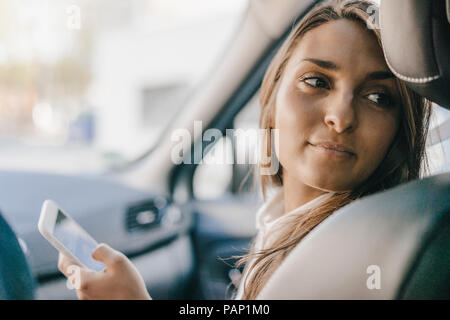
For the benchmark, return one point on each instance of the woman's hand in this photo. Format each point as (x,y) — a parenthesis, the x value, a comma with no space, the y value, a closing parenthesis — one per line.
(120,280)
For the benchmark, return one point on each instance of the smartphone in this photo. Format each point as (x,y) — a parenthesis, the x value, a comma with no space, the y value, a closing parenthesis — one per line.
(67,236)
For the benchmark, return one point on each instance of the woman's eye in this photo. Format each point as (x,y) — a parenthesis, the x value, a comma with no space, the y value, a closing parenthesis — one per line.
(381,99)
(316,82)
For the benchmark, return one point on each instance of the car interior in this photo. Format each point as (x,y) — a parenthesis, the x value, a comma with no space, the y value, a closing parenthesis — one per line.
(187,249)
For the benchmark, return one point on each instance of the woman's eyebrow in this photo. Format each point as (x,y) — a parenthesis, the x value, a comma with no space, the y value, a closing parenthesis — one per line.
(379,75)
(322,63)
(375,75)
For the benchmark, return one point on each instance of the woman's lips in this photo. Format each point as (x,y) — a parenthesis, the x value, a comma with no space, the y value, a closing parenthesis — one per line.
(333,149)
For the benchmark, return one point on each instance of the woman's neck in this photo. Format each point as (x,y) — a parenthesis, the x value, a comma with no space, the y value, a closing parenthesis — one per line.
(296,193)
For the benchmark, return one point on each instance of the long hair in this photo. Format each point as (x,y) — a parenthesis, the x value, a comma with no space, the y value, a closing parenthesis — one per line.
(405,160)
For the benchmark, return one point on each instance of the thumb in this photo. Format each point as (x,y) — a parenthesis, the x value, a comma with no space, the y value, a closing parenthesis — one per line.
(107,255)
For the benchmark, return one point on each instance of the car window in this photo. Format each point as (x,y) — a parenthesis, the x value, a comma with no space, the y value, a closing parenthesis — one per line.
(89,84)
(230,166)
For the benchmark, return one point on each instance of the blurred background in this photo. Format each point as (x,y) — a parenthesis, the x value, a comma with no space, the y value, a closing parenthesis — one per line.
(87,85)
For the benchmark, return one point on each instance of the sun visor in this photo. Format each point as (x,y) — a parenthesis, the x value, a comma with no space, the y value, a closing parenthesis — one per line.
(416,43)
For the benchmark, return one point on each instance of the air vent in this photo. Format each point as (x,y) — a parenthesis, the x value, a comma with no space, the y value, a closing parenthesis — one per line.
(145,215)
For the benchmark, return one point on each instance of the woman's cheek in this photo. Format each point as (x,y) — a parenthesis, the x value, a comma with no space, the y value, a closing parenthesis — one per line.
(286,140)
(294,120)
(377,139)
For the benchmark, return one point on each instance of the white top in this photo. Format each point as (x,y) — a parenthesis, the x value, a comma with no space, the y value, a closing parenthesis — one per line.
(271,221)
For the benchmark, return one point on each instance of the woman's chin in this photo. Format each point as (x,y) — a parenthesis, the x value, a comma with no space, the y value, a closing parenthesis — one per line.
(329,184)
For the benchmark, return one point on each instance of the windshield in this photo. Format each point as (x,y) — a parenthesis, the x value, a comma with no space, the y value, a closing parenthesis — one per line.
(88,85)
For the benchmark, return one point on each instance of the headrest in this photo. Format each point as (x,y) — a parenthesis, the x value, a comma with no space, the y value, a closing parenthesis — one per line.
(416,42)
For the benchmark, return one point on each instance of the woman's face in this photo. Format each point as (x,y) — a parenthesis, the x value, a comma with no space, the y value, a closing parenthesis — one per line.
(337,107)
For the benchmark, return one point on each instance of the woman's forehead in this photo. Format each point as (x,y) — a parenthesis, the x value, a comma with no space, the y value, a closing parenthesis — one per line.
(344,42)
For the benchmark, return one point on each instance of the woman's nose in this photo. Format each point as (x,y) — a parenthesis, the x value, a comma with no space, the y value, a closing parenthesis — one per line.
(340,114)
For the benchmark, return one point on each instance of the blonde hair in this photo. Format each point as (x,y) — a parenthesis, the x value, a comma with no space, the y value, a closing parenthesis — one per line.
(403,162)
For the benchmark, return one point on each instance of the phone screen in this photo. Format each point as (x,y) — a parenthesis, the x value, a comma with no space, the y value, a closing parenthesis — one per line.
(78,241)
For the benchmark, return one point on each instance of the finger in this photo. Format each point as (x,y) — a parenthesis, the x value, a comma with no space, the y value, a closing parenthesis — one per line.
(108,255)
(82,279)
(64,264)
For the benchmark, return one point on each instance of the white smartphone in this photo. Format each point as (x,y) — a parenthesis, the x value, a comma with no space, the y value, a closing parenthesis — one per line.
(67,236)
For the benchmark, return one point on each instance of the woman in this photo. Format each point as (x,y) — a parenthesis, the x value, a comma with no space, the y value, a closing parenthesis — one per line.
(347,128)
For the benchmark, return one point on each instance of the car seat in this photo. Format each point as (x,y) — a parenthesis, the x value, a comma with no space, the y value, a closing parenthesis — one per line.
(16,281)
